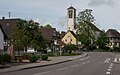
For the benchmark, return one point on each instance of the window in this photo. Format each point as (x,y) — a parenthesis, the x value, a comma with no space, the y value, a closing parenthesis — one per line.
(70,12)
(65,40)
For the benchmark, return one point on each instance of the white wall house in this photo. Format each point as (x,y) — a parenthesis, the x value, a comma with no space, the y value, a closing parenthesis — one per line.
(1,39)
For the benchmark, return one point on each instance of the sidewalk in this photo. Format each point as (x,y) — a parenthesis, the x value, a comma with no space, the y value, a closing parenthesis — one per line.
(54,60)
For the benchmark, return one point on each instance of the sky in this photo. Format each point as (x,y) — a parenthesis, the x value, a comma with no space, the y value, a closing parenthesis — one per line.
(54,12)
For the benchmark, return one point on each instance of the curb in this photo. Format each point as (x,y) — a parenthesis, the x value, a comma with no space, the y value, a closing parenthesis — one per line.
(67,60)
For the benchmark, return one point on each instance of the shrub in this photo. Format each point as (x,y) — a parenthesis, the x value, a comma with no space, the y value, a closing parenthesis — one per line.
(6,57)
(116,49)
(33,58)
(44,57)
(1,58)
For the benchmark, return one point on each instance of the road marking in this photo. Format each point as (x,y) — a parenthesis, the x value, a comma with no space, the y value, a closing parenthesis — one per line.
(62,69)
(107,60)
(111,64)
(115,60)
(41,73)
(107,72)
(109,69)
(74,65)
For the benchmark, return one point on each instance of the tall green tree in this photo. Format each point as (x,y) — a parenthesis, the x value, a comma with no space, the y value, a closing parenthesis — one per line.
(86,27)
(27,35)
(102,40)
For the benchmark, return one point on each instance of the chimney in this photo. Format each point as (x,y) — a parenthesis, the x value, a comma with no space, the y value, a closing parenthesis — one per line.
(3,17)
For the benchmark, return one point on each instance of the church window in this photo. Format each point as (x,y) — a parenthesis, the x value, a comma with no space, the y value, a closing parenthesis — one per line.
(70,12)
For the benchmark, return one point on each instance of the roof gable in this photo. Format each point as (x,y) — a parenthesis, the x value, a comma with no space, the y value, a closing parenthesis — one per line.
(112,33)
(71,33)
(47,33)
(5,37)
(71,7)
(8,26)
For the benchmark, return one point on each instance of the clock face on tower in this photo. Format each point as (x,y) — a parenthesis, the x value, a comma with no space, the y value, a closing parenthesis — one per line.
(70,12)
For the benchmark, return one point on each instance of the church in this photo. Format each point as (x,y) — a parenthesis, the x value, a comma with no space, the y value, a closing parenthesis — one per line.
(70,36)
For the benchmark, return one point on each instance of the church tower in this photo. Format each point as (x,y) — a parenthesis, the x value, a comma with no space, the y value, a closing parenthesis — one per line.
(71,18)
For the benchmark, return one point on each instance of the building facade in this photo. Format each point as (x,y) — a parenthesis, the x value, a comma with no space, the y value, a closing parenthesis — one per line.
(71,18)
(70,38)
(113,37)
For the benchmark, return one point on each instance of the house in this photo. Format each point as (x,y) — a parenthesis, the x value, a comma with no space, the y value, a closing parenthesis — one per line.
(70,38)
(113,37)
(8,26)
(2,38)
(49,34)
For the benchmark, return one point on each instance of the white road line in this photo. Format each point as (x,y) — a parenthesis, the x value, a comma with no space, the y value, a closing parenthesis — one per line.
(107,73)
(109,69)
(62,69)
(106,60)
(111,64)
(74,65)
(115,60)
(41,73)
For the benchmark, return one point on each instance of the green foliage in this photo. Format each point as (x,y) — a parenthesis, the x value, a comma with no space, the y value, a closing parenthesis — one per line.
(86,28)
(5,58)
(116,49)
(47,26)
(102,40)
(44,57)
(33,58)
(69,48)
(27,35)
(1,58)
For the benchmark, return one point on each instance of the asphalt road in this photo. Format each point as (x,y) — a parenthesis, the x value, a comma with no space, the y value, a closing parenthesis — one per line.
(97,63)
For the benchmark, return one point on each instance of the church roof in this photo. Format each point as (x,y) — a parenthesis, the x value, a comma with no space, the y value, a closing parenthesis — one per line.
(71,7)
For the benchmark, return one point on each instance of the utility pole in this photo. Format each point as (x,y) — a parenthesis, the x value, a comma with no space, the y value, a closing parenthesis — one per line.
(9,14)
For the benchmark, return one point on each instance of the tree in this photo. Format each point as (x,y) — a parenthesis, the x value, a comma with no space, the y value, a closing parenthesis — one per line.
(27,35)
(102,40)
(48,26)
(69,48)
(86,27)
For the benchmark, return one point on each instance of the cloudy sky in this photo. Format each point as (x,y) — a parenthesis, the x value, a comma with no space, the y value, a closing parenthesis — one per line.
(106,12)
